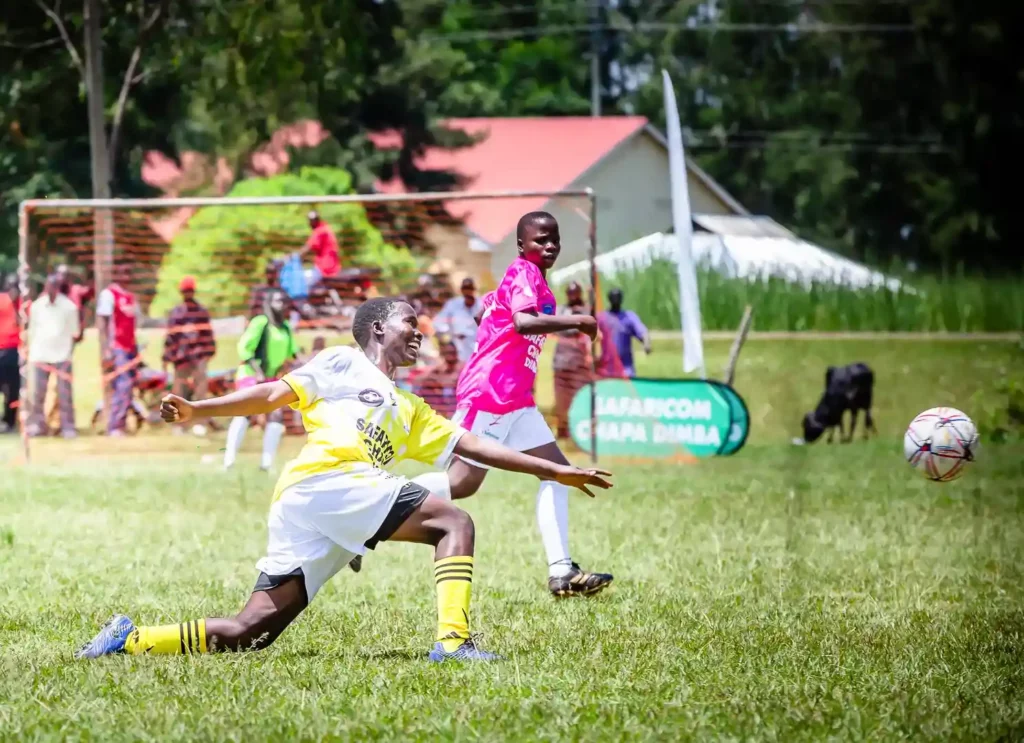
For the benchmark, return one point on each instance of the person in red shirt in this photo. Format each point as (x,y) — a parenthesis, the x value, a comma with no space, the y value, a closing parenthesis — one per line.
(324,247)
(189,344)
(10,373)
(118,310)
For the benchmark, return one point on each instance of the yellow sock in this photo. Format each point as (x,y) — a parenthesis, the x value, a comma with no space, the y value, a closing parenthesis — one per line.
(454,578)
(169,639)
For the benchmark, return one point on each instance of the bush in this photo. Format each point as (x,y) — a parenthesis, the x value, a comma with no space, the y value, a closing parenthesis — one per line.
(227,248)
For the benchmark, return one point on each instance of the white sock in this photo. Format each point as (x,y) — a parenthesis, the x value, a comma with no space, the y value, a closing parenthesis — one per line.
(437,483)
(271,440)
(236,432)
(553,521)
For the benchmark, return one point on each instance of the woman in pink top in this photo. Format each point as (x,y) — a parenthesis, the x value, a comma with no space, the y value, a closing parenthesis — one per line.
(495,393)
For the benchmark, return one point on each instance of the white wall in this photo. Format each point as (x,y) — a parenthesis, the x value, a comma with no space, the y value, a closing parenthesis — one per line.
(633,200)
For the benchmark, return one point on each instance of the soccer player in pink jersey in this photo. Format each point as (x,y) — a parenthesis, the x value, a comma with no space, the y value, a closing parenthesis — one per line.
(495,394)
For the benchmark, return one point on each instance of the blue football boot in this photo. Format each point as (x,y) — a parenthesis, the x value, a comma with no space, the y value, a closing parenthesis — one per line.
(110,639)
(467,651)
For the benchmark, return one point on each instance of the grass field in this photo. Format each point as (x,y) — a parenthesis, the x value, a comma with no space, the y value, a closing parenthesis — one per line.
(784,593)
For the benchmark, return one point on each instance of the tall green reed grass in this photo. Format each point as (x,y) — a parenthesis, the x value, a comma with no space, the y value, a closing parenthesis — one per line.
(954,303)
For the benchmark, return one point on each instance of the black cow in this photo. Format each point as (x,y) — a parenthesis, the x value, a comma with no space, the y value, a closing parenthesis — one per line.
(846,388)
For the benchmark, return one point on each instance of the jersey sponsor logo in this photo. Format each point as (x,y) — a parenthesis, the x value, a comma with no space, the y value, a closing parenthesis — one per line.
(378,445)
(371,398)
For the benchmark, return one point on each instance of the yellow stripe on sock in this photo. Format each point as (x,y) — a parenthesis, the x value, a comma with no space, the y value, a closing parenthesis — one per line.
(456,560)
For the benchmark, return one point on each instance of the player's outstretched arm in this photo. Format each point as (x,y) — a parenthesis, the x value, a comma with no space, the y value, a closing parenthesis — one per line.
(496,455)
(257,400)
(530,323)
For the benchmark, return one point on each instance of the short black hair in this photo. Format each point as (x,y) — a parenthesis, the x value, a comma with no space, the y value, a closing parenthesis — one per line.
(616,292)
(531,218)
(378,309)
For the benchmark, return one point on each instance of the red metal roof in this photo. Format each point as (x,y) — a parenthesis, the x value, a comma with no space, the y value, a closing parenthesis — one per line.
(539,154)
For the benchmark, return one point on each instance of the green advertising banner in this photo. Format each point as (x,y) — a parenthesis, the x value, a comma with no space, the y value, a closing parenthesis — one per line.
(661,418)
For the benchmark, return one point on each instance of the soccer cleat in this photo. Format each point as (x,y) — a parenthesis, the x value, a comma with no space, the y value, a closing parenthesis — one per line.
(467,651)
(356,563)
(109,640)
(578,582)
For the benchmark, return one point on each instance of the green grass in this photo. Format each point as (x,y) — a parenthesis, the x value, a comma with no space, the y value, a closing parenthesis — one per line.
(784,593)
(955,303)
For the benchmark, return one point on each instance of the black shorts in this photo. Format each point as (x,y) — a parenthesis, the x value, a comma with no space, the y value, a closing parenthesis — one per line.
(409,499)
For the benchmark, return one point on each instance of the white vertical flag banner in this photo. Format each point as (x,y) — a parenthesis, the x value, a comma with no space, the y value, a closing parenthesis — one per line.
(689,299)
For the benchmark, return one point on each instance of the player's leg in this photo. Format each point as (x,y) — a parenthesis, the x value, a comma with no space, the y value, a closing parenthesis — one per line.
(272,434)
(121,397)
(66,400)
(530,433)
(179,383)
(263,618)
(40,381)
(450,531)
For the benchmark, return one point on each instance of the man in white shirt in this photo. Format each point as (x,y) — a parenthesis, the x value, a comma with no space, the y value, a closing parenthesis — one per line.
(53,328)
(457,319)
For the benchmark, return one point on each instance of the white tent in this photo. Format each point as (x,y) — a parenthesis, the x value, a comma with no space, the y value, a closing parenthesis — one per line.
(737,247)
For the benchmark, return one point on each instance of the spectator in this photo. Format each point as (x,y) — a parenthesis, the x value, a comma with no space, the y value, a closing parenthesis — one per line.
(620,328)
(457,319)
(189,344)
(258,294)
(266,348)
(118,312)
(573,361)
(80,294)
(437,385)
(10,374)
(324,247)
(53,329)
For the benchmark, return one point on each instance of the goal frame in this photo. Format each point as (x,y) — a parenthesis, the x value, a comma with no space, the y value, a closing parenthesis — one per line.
(99,206)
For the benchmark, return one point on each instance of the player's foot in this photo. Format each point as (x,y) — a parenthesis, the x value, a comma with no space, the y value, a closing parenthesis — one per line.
(356,563)
(467,651)
(109,640)
(578,582)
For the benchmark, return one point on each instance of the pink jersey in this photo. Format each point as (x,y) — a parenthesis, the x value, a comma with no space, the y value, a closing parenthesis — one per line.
(499,376)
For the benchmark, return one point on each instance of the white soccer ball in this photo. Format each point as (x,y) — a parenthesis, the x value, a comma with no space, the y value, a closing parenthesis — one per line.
(198,430)
(939,443)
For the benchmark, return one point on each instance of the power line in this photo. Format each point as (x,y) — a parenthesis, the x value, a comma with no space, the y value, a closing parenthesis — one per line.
(805,134)
(880,149)
(654,26)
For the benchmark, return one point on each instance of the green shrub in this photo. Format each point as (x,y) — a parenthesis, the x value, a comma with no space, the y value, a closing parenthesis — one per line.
(227,248)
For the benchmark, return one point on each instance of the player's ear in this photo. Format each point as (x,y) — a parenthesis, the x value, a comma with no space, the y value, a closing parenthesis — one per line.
(377,329)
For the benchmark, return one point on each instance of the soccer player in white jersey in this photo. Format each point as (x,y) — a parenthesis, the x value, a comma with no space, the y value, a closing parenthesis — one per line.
(337,498)
(495,394)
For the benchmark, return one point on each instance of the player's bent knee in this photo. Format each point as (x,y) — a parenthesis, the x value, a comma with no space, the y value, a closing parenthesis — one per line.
(459,525)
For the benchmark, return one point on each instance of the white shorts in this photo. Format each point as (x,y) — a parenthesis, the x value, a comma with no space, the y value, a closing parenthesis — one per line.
(521,429)
(319,524)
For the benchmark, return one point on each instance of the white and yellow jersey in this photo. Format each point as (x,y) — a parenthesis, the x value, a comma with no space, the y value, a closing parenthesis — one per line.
(357,420)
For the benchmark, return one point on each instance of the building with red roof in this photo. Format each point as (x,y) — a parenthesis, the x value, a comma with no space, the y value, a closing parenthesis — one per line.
(623,158)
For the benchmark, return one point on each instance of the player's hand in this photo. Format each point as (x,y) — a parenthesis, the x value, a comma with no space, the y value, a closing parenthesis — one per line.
(587,324)
(174,409)
(581,479)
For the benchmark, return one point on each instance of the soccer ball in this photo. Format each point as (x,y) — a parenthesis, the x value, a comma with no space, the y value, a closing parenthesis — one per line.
(940,442)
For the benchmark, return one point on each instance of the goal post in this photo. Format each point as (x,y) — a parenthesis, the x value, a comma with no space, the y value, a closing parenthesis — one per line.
(417,245)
